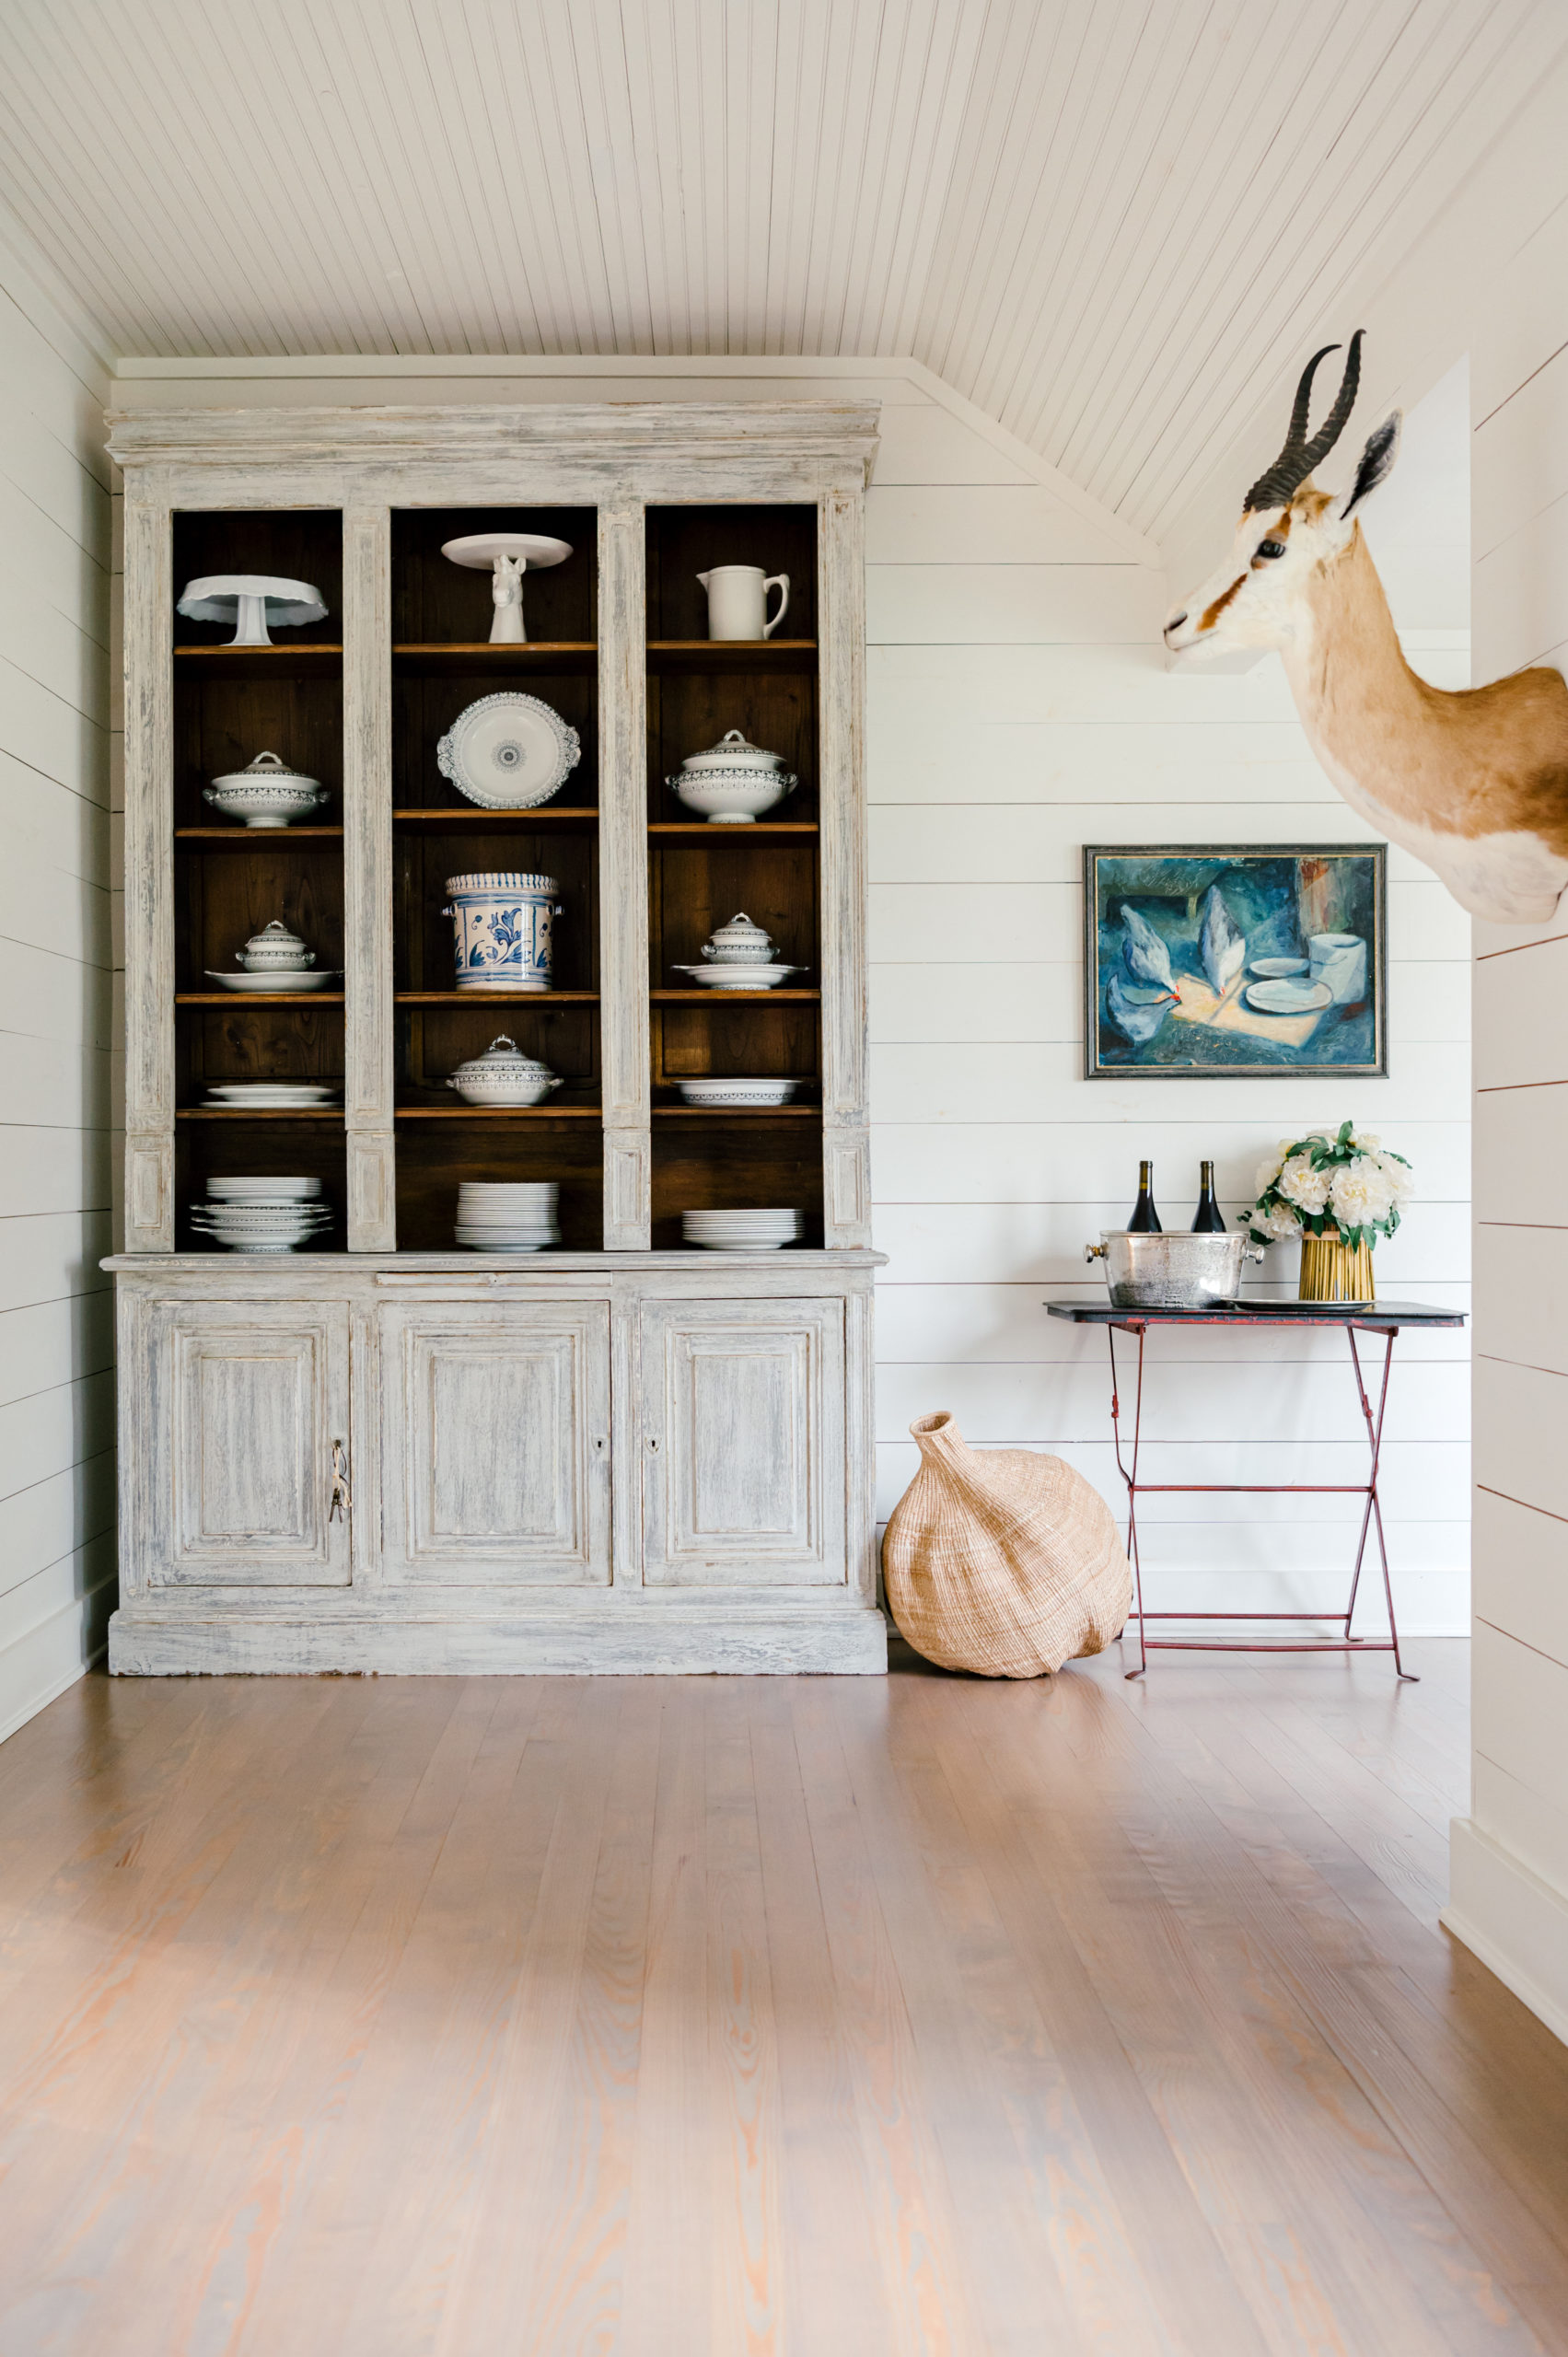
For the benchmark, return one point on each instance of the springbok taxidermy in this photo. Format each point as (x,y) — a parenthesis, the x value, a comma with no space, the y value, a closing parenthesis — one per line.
(1475,784)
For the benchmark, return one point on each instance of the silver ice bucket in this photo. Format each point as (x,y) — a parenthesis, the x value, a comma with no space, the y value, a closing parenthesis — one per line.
(1180,1271)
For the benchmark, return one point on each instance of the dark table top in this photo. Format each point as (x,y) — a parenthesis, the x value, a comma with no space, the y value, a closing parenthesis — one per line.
(1262,1313)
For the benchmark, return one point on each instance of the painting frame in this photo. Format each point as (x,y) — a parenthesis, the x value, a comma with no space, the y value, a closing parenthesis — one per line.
(1346,1047)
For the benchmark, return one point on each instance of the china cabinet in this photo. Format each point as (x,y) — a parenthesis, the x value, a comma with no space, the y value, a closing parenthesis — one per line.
(385,1453)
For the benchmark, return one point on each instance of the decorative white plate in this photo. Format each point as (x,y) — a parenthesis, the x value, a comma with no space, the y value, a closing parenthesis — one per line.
(508,752)
(736,1093)
(252,1092)
(1289,998)
(740,974)
(307,978)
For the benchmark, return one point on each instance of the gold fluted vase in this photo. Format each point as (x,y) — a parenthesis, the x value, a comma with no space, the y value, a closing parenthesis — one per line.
(1332,1270)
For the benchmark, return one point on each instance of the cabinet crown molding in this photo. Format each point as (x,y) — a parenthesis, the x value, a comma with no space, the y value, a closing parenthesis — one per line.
(837,436)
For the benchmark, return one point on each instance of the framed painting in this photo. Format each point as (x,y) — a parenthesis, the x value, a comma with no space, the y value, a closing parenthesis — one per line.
(1237,961)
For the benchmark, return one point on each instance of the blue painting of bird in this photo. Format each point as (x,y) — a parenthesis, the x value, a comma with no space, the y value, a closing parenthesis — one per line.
(1146,954)
(1137,1009)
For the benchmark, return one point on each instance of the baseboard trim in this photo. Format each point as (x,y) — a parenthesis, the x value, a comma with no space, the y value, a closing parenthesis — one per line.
(1516,1923)
(53,1691)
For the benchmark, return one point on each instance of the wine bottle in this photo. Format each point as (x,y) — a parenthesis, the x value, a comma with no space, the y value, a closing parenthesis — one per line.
(1145,1220)
(1208,1220)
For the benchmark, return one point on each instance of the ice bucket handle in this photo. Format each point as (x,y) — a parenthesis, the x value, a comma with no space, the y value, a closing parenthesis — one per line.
(1094,1251)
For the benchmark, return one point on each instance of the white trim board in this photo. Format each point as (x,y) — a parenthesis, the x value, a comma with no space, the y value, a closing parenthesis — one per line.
(759,368)
(1528,1946)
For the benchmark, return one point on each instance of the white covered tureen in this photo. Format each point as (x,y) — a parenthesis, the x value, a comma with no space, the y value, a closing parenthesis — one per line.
(265,794)
(739,956)
(276,950)
(503,1076)
(732,783)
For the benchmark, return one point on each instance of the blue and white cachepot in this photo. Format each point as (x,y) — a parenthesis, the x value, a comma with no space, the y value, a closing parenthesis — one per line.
(501,930)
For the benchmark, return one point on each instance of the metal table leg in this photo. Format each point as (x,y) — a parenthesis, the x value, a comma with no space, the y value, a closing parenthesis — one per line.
(1372,1517)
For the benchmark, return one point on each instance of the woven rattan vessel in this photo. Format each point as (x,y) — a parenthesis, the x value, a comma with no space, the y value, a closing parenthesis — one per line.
(1002,1560)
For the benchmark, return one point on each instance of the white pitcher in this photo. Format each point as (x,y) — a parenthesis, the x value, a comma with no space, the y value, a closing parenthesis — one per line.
(738,600)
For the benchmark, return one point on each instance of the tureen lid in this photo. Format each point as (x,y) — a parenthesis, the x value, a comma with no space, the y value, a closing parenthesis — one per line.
(267,769)
(733,752)
(506,1058)
(273,937)
(740,933)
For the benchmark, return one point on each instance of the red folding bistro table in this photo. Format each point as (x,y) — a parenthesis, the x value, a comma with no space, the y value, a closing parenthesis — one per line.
(1356,1318)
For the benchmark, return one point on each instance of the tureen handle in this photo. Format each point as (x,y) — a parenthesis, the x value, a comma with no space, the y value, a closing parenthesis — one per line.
(266,761)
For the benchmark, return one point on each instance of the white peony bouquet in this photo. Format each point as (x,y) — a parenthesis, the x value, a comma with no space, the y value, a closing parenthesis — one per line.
(1332,1182)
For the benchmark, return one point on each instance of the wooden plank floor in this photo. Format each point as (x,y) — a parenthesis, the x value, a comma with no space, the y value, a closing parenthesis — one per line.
(710,2017)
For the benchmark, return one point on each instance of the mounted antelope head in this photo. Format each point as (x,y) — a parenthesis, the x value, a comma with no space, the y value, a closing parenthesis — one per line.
(1475,784)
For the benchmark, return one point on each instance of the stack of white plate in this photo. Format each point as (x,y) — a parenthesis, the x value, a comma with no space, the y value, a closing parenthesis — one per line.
(272,1096)
(262,1215)
(741,1231)
(512,1217)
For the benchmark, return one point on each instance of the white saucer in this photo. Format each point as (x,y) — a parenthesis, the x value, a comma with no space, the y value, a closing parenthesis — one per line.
(737,974)
(313,978)
(1289,998)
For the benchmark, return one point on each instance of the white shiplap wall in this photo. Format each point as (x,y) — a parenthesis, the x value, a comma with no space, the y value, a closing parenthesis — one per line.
(56,1018)
(1510,1857)
(1019,706)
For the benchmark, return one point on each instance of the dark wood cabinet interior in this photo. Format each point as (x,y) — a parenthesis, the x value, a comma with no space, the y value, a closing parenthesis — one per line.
(231,704)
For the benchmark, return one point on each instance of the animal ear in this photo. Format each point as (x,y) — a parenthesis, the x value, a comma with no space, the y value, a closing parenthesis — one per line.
(1377,464)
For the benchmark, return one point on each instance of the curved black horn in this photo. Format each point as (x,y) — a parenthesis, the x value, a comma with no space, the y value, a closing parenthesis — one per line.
(1277,483)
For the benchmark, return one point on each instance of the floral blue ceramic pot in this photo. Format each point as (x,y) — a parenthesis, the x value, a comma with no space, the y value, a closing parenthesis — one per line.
(501,930)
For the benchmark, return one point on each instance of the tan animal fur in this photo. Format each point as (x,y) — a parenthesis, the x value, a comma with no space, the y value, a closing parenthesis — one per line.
(1474,782)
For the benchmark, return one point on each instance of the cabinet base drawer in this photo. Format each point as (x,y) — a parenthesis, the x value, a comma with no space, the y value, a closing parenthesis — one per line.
(837,1641)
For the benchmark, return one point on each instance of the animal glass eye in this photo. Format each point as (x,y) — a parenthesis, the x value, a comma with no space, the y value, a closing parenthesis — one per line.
(1270,547)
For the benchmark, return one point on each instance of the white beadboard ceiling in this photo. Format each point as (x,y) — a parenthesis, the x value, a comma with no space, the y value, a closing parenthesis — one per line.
(1111,224)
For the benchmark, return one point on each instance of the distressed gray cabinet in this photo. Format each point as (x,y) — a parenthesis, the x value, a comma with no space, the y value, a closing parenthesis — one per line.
(495,1442)
(386,1454)
(743,1430)
(238,1408)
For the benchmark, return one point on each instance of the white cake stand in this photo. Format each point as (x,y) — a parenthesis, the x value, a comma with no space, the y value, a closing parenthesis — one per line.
(250,600)
(508,556)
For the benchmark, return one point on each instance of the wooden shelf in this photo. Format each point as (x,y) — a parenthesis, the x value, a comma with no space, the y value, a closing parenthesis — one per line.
(259,1113)
(736,1113)
(499,1113)
(732,655)
(253,999)
(237,838)
(705,830)
(481,655)
(697,996)
(495,822)
(230,662)
(496,998)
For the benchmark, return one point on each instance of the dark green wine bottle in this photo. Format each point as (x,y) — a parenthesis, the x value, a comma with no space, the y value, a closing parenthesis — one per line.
(1145,1220)
(1208,1220)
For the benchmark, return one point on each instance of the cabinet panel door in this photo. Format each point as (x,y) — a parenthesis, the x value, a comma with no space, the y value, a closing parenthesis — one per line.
(244,1404)
(497,1442)
(743,1440)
